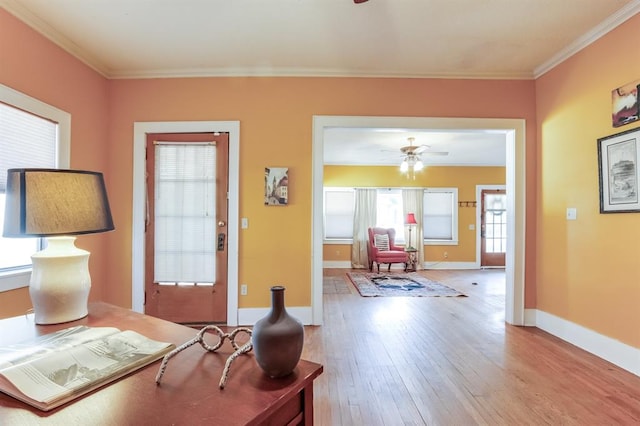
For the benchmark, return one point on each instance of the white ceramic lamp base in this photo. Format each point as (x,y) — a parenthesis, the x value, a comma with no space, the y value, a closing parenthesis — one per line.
(60,282)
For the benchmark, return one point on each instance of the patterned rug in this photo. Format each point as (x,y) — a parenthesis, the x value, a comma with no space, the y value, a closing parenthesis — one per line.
(371,284)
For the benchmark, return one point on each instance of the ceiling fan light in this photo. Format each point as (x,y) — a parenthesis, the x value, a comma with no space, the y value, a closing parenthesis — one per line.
(418,166)
(404,166)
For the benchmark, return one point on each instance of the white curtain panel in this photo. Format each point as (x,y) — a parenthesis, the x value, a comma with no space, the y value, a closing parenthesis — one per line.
(363,219)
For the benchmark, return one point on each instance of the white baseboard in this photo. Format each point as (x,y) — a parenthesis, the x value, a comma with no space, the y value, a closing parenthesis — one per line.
(530,317)
(341,264)
(614,351)
(249,316)
(450,265)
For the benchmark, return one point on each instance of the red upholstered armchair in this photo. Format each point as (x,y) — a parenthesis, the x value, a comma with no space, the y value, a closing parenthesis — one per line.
(382,248)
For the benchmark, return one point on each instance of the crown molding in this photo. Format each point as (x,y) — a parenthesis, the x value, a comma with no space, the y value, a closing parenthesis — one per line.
(42,27)
(613,21)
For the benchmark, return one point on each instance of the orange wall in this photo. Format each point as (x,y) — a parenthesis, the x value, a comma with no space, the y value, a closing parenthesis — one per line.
(336,252)
(588,270)
(34,66)
(275,116)
(463,178)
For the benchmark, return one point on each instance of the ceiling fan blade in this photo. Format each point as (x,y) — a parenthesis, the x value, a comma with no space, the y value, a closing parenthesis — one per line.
(435,153)
(420,149)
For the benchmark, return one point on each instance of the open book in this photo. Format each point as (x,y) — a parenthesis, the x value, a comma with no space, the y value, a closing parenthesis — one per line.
(59,367)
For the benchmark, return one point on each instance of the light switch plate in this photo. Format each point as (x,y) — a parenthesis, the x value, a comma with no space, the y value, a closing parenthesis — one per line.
(244,223)
(572,213)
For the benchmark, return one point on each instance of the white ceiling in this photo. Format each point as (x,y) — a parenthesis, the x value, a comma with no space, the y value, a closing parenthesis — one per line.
(379,38)
(381,146)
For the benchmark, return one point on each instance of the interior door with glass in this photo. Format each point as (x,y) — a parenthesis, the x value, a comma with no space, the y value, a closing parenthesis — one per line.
(186,227)
(493,232)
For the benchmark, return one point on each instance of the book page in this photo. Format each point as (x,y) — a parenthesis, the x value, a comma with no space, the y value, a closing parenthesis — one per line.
(42,345)
(61,373)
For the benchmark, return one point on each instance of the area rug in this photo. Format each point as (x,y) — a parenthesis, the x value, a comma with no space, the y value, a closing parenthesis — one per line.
(392,284)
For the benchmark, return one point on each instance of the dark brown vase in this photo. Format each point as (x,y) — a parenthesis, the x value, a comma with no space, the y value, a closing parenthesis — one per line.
(277,338)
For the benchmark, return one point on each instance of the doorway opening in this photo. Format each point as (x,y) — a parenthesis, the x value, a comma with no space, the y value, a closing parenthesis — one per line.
(514,133)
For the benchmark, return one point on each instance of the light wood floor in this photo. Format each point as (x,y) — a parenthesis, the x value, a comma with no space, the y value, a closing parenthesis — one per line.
(454,361)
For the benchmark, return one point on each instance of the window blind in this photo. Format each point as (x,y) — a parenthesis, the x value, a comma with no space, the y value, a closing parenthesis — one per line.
(339,208)
(185,213)
(26,140)
(438,217)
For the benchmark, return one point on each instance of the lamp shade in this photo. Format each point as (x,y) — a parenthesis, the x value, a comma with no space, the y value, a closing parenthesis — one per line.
(50,202)
(411,219)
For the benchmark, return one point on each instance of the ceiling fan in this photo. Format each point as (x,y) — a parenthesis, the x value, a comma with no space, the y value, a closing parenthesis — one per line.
(411,161)
(416,150)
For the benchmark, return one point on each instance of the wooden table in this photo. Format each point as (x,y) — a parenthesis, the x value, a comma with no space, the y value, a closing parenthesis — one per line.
(188,393)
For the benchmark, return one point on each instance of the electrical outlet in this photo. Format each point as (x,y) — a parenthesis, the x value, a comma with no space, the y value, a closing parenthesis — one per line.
(243,290)
(446,255)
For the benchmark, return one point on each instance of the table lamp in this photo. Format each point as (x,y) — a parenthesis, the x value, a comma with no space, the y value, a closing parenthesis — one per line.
(57,204)
(411,222)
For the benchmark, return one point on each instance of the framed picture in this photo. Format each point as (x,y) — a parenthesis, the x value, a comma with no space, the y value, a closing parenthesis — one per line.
(618,169)
(276,186)
(625,105)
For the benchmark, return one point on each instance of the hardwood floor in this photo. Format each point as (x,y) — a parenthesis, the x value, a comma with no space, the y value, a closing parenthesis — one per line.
(454,361)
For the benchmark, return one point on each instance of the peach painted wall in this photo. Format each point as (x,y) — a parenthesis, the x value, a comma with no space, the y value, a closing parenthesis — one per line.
(275,117)
(34,66)
(587,270)
(463,178)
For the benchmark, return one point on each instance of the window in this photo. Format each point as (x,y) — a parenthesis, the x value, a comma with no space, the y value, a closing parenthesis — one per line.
(32,134)
(440,216)
(339,208)
(389,212)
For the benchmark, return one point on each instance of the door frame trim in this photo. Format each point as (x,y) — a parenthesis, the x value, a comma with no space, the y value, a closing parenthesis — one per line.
(479,189)
(140,130)
(515,138)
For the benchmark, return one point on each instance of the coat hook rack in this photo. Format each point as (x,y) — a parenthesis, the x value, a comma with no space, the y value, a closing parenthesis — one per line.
(466,203)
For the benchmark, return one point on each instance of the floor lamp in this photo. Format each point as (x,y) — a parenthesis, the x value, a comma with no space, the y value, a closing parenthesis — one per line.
(410,222)
(57,204)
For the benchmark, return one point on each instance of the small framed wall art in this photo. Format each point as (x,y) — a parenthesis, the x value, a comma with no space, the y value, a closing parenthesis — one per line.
(618,160)
(625,106)
(276,186)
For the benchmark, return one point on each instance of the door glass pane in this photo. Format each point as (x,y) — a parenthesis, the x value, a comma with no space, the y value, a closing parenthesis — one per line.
(185,213)
(495,206)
